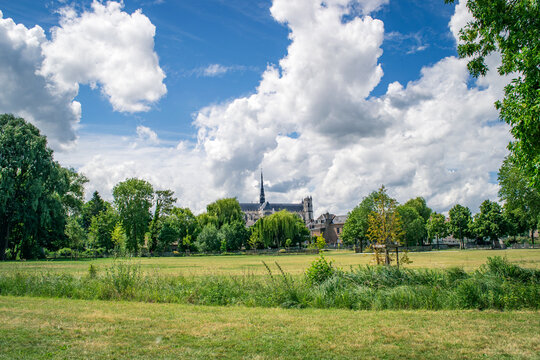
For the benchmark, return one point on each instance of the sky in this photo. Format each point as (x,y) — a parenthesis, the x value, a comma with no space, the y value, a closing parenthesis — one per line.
(330,98)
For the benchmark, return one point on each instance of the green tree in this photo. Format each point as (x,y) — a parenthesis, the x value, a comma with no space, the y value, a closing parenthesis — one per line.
(92,208)
(436,227)
(357,224)
(413,225)
(208,239)
(164,200)
(235,235)
(227,211)
(118,237)
(419,204)
(459,223)
(385,227)
(73,198)
(522,201)
(133,199)
(489,222)
(274,230)
(511,28)
(32,186)
(76,234)
(101,228)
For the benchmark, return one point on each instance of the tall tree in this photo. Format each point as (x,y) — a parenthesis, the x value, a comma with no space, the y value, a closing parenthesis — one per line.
(436,227)
(226,211)
(164,200)
(356,227)
(490,222)
(522,201)
(133,199)
(419,204)
(101,228)
(31,190)
(92,208)
(385,227)
(511,28)
(73,197)
(413,224)
(459,223)
(274,230)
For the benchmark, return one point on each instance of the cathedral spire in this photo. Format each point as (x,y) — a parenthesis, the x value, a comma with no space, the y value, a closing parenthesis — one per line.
(261,198)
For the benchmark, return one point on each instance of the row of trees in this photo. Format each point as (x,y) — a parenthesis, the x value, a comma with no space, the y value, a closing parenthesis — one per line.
(42,209)
(414,223)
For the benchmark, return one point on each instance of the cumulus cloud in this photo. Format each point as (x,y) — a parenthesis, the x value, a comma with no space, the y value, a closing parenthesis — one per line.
(434,137)
(104,47)
(27,94)
(109,48)
(314,128)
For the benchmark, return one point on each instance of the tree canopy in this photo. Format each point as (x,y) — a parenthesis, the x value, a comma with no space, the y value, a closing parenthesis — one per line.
(357,224)
(511,28)
(459,223)
(33,190)
(133,200)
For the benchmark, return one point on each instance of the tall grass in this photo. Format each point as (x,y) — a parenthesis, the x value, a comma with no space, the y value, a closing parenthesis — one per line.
(498,284)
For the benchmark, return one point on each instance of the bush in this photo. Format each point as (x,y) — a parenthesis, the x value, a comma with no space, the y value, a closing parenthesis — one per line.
(319,270)
(65,252)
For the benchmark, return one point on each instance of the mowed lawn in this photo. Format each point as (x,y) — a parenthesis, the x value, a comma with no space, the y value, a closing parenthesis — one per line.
(34,328)
(293,264)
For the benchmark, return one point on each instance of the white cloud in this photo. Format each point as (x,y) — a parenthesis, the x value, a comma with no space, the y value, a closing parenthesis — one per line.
(106,47)
(26,94)
(147,135)
(313,127)
(214,70)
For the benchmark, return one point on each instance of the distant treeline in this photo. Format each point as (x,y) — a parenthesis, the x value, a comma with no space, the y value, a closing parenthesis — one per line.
(42,210)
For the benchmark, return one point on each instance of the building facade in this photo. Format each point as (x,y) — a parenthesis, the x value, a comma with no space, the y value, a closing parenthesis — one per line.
(330,226)
(255,211)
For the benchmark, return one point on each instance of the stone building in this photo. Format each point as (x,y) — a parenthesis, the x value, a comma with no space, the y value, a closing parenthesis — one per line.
(254,211)
(330,226)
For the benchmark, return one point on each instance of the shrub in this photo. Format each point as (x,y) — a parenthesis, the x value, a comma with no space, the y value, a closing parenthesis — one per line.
(65,252)
(320,270)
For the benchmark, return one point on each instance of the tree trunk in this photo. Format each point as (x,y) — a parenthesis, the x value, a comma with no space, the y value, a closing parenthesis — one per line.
(4,241)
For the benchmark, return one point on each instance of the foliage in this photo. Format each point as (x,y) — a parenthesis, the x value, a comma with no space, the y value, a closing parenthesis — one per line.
(459,223)
(419,204)
(511,28)
(320,242)
(436,227)
(274,230)
(385,226)
(133,199)
(356,227)
(522,201)
(164,206)
(233,236)
(75,234)
(32,191)
(489,222)
(101,228)
(208,240)
(413,224)
(92,208)
(320,270)
(497,285)
(226,211)
(118,238)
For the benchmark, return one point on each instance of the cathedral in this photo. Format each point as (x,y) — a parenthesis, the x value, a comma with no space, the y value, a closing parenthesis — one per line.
(254,211)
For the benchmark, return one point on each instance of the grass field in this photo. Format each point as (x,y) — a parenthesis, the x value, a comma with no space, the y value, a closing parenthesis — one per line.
(292,264)
(73,329)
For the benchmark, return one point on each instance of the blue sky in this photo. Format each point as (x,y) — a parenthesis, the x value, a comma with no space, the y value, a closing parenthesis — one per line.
(215,53)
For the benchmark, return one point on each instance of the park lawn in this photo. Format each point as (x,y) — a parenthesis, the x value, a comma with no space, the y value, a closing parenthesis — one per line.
(292,264)
(39,328)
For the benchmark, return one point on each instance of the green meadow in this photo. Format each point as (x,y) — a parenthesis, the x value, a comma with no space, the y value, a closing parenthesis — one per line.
(292,264)
(37,328)
(468,304)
